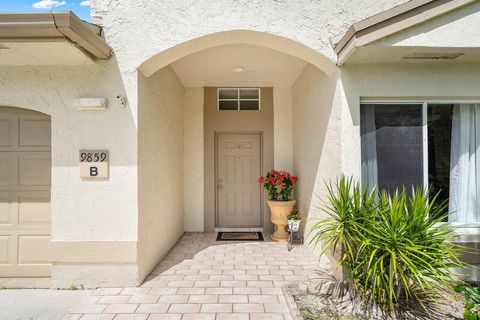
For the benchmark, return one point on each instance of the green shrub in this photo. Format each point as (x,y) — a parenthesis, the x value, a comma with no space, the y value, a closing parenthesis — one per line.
(472,301)
(392,246)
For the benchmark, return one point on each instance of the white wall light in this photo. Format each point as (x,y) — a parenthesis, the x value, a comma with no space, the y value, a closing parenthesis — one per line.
(90,104)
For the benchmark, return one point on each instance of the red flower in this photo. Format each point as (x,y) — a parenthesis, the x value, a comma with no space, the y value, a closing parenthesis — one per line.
(279,184)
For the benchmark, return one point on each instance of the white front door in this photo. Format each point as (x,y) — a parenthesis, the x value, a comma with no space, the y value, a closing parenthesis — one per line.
(238,167)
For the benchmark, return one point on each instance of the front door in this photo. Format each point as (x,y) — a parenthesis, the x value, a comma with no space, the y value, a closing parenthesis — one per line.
(238,167)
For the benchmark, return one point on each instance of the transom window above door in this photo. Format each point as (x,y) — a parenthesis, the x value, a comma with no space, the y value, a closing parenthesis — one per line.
(240,99)
(435,145)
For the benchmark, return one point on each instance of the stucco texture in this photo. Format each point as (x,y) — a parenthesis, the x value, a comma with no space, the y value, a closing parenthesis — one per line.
(160,167)
(316,143)
(193,157)
(137,34)
(83,204)
(157,142)
(82,211)
(458,29)
(311,23)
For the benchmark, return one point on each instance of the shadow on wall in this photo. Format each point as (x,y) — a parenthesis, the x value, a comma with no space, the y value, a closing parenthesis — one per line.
(316,140)
(315,133)
(160,166)
(52,91)
(82,211)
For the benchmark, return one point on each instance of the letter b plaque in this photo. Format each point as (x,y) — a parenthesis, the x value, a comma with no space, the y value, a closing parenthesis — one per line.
(94,164)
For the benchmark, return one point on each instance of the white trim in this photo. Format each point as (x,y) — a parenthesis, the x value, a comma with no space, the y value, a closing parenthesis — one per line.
(466,233)
(238,229)
(238,99)
(420,101)
(425,144)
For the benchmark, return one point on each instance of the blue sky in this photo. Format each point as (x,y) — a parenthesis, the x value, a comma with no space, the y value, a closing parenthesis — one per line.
(80,7)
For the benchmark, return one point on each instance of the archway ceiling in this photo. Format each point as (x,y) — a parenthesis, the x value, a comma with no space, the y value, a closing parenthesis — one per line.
(214,67)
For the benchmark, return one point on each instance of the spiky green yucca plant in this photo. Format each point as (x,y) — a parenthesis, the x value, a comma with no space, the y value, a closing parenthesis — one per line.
(393,246)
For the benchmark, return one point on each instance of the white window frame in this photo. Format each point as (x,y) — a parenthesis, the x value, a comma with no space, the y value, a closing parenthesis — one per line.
(425,102)
(239,99)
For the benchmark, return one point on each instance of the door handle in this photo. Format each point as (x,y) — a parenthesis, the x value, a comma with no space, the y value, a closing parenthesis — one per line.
(219,184)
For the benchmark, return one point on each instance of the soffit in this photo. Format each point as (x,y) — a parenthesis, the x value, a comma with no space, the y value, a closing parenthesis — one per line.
(214,67)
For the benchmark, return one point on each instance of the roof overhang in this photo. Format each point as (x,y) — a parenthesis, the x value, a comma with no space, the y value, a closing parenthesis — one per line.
(54,27)
(390,22)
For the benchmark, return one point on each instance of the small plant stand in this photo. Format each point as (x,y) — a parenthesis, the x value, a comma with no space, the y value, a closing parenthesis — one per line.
(294,238)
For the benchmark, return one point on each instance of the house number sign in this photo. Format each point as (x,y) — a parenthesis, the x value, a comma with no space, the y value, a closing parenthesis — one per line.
(93,164)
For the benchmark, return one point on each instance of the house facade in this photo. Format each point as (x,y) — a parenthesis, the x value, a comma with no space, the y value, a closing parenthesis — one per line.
(117,137)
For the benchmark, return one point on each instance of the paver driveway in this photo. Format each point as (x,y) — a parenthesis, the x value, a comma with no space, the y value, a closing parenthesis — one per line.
(201,278)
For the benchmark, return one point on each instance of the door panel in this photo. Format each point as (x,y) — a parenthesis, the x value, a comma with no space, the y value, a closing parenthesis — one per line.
(25,174)
(34,132)
(238,167)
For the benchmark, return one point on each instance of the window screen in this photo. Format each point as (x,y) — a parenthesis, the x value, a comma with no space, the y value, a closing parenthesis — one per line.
(392,146)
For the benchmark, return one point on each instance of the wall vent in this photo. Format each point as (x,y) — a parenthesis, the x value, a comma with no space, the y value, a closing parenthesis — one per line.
(432,56)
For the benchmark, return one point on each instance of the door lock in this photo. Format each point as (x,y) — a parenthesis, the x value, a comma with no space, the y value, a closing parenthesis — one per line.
(219,184)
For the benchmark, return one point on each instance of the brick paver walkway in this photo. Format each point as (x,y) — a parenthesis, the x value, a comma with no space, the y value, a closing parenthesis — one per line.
(201,278)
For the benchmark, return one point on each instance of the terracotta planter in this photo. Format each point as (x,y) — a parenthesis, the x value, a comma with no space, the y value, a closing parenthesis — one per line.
(280,211)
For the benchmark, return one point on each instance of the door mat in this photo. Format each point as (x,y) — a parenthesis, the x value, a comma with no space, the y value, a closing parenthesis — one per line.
(239,236)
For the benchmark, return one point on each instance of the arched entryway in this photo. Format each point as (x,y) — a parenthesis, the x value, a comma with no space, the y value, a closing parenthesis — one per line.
(181,126)
(25,183)
(255,38)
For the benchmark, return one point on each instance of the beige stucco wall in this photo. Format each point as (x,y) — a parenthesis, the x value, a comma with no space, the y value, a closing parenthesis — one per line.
(160,167)
(193,160)
(96,224)
(82,209)
(310,23)
(316,142)
(303,29)
(234,121)
(282,129)
(457,29)
(84,212)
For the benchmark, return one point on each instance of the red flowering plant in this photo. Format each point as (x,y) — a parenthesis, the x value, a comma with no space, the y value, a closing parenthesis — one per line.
(279,185)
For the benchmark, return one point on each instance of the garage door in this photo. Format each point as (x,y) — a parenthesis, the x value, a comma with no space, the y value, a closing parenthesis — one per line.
(25,170)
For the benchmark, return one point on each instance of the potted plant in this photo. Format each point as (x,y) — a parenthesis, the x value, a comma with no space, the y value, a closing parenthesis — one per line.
(279,185)
(294,219)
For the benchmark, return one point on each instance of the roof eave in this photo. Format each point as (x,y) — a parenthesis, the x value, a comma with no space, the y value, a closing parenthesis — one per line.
(392,21)
(54,26)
